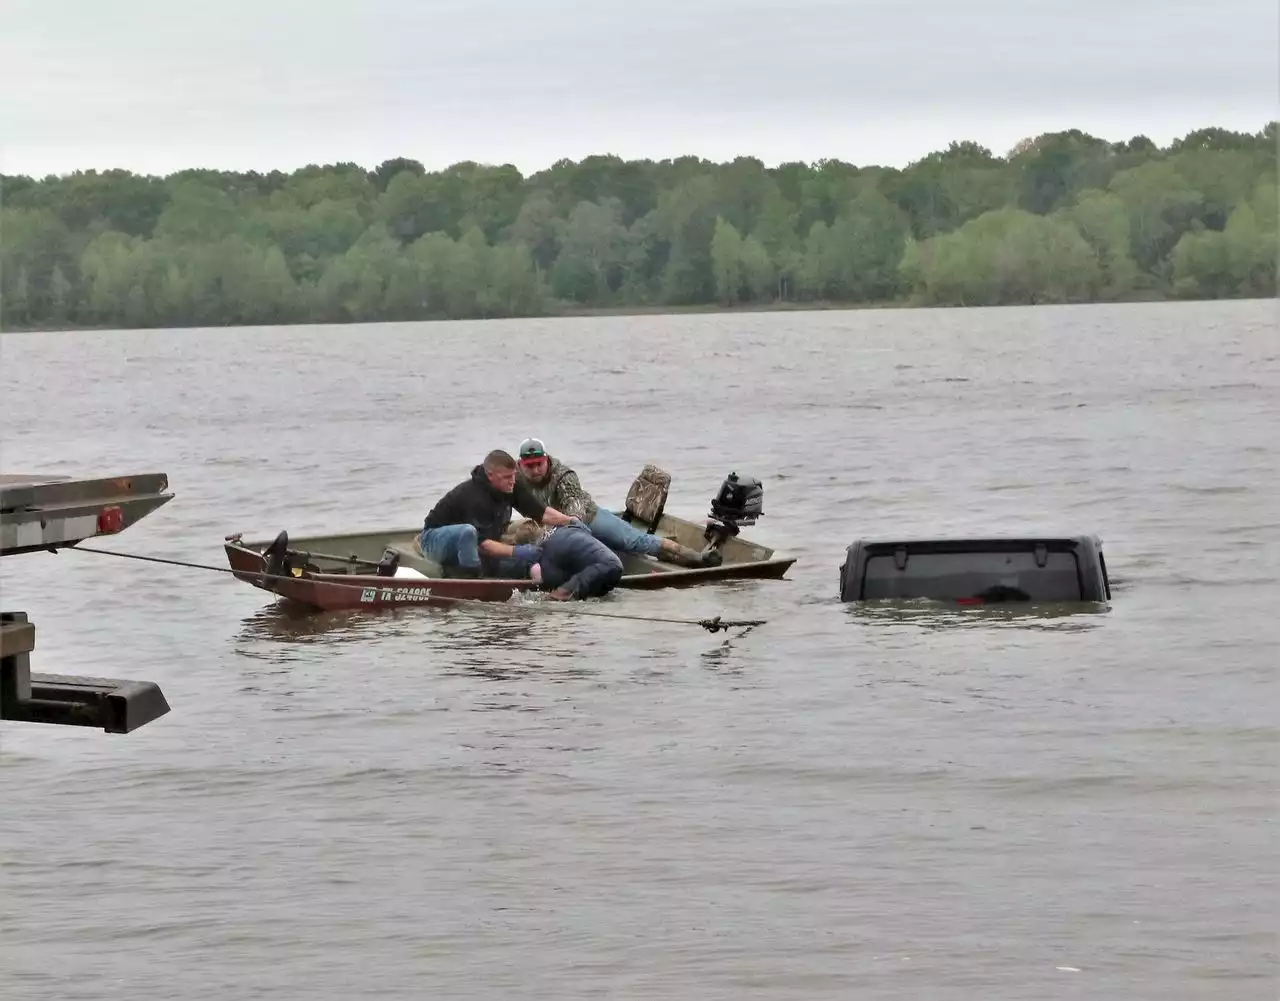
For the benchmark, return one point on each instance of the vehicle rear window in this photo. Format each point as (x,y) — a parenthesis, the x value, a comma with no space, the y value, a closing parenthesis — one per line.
(952,576)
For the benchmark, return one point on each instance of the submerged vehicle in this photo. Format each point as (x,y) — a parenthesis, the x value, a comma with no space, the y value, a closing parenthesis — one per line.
(378,569)
(975,571)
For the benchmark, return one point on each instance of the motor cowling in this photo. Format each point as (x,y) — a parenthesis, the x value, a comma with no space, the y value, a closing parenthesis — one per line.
(740,500)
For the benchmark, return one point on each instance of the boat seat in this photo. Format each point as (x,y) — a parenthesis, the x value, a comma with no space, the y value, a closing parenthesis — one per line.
(411,556)
(648,497)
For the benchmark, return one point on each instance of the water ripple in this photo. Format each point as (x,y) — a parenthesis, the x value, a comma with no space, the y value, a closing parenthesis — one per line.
(883,801)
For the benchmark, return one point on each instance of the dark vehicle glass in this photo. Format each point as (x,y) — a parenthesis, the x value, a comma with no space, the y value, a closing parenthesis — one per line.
(978,570)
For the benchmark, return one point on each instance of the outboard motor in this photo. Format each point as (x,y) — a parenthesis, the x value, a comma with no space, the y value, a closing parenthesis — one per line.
(739,502)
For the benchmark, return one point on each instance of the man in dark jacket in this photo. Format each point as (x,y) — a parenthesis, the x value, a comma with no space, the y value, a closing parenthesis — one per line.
(568,559)
(463,532)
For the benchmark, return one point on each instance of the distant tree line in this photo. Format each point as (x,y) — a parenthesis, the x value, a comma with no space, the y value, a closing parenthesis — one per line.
(1064,217)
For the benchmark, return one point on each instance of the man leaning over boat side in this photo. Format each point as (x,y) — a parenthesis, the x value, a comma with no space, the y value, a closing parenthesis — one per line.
(567,558)
(463,532)
(552,482)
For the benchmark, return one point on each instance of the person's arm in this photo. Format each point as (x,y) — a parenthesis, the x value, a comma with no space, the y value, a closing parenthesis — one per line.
(524,500)
(571,497)
(550,516)
(528,505)
(526,553)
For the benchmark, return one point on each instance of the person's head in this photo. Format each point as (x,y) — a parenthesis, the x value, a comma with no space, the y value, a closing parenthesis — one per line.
(534,462)
(500,469)
(522,533)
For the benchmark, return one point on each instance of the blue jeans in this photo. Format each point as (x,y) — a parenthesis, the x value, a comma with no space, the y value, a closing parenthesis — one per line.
(506,567)
(576,560)
(623,536)
(458,545)
(451,545)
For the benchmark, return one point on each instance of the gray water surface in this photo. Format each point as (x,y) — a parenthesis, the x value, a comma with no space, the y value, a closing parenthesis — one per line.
(843,803)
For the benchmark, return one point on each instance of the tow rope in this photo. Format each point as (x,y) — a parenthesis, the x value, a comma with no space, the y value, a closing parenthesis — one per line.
(712,625)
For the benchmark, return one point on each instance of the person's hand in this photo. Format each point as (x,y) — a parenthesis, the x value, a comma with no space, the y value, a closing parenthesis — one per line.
(526,553)
(535,573)
(553,517)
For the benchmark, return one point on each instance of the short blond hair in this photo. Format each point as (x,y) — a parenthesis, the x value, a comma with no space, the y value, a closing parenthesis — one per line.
(522,533)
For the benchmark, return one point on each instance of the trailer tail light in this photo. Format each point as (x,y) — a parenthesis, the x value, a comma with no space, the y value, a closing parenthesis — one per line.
(110,520)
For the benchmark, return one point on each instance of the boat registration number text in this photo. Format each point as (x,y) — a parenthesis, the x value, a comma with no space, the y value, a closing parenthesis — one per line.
(395,594)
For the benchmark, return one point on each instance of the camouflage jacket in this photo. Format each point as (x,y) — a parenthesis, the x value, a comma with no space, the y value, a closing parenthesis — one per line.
(563,492)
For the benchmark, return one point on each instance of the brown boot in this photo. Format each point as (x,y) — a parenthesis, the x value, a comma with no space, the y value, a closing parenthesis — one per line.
(673,552)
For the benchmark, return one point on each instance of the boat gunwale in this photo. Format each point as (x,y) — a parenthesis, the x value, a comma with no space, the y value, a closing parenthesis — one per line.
(725,570)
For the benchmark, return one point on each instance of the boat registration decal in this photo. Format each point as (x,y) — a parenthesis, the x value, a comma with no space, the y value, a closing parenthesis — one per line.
(395,594)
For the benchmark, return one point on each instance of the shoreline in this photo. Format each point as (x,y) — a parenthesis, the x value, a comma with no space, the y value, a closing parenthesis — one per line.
(563,312)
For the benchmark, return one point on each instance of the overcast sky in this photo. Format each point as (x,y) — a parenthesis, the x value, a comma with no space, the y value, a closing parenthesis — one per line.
(158,85)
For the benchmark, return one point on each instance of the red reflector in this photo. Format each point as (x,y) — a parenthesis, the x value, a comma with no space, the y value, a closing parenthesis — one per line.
(110,519)
(968,601)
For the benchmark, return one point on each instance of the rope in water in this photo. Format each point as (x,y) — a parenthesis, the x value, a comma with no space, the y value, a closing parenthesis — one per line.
(711,625)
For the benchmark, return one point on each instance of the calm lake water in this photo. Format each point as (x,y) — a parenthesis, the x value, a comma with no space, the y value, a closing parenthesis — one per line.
(843,803)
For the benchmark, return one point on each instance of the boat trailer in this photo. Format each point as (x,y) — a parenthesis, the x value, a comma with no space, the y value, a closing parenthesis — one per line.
(51,513)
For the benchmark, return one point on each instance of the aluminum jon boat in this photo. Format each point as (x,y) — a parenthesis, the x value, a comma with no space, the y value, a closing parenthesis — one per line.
(381,569)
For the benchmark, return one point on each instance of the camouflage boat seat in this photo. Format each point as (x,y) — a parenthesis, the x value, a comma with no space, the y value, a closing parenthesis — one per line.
(648,497)
(411,556)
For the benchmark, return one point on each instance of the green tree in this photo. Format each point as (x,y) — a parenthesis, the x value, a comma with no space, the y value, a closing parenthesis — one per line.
(1053,167)
(1240,260)
(1103,221)
(33,242)
(685,221)
(759,276)
(354,286)
(15,304)
(1161,204)
(537,227)
(726,262)
(60,296)
(412,205)
(946,189)
(775,226)
(1064,217)
(514,286)
(382,174)
(342,182)
(593,253)
(115,199)
(1009,256)
(492,197)
(198,213)
(1222,179)
(106,264)
(868,242)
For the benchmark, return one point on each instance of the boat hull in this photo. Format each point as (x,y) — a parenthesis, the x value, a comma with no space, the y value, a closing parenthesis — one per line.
(345,591)
(337,572)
